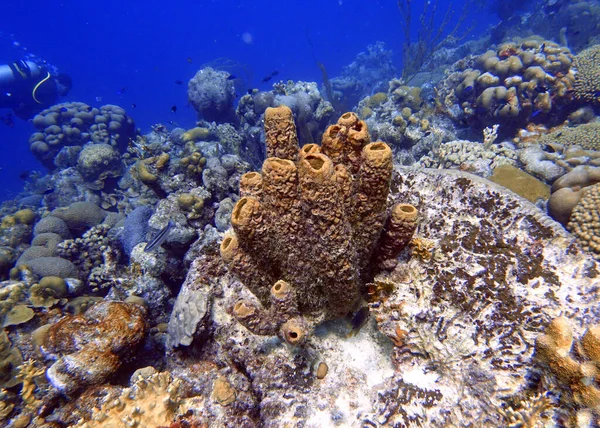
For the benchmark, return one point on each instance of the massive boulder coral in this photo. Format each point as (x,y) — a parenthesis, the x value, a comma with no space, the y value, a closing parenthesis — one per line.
(513,84)
(587,79)
(65,128)
(212,95)
(309,227)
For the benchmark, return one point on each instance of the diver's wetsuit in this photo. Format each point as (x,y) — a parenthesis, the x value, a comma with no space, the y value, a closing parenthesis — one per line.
(26,88)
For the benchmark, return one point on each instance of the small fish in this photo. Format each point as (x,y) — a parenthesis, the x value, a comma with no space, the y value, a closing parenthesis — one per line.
(231,77)
(173,109)
(542,47)
(121,91)
(8,120)
(179,82)
(133,105)
(535,113)
(64,109)
(358,320)
(274,73)
(159,238)
(98,99)
(189,59)
(266,79)
(24,175)
(468,90)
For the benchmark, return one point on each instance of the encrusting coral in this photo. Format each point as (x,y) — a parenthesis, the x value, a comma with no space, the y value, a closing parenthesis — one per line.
(150,401)
(579,379)
(311,224)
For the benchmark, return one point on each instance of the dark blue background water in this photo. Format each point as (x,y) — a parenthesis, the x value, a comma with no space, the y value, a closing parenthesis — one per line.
(144,47)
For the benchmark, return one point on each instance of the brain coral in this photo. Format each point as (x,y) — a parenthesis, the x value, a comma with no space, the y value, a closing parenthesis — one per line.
(309,225)
(587,79)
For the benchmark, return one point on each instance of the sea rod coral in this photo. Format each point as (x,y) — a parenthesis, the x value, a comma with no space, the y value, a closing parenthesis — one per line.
(308,228)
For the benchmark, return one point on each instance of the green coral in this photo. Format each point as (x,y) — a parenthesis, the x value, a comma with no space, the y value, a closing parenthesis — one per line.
(377,99)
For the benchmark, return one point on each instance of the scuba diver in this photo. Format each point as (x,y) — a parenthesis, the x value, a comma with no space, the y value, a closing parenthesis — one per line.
(28,88)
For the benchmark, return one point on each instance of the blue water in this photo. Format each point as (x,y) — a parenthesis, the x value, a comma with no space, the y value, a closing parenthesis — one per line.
(144,47)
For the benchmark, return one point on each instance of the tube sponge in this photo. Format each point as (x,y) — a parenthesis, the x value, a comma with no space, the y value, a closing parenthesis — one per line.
(309,224)
(280,133)
(399,230)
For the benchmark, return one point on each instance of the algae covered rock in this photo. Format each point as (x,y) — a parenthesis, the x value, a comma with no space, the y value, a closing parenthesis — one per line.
(90,347)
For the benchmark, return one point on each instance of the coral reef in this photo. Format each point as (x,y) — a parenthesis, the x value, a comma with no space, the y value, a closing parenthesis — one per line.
(312,114)
(151,401)
(586,136)
(350,290)
(465,318)
(367,74)
(402,117)
(471,157)
(308,226)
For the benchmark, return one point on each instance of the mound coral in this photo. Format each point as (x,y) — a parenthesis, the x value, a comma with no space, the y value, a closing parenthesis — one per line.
(553,350)
(586,136)
(587,79)
(308,228)
(212,95)
(584,223)
(150,401)
(568,190)
(72,125)
(514,83)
